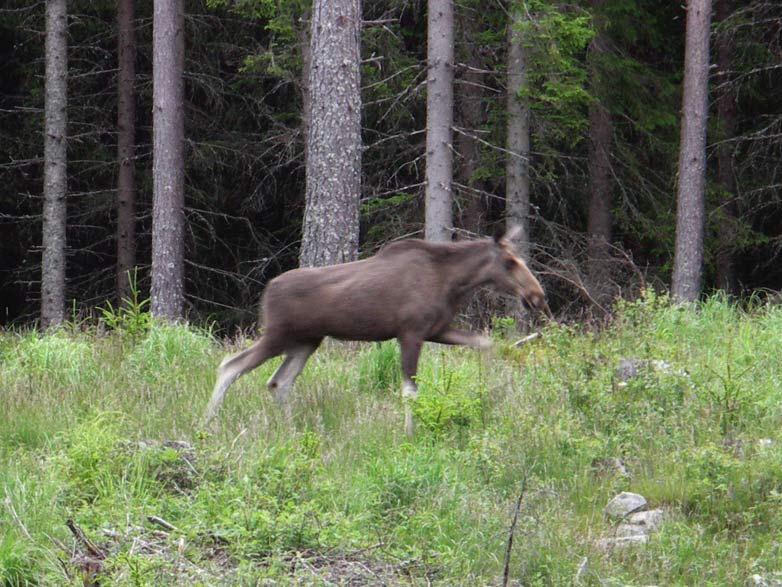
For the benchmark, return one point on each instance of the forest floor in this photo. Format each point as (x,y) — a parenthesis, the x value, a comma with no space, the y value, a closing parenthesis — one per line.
(108,478)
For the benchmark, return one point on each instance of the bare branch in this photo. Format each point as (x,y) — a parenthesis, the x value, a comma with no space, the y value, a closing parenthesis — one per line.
(511,531)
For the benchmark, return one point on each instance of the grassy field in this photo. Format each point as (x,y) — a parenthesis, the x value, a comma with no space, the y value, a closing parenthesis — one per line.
(100,430)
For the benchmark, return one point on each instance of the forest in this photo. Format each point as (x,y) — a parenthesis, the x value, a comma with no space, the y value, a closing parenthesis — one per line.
(601,91)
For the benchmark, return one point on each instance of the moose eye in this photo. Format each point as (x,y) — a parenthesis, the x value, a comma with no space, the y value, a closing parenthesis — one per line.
(510,263)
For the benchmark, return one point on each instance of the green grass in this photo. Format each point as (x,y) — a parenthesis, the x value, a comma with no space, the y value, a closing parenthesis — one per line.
(338,495)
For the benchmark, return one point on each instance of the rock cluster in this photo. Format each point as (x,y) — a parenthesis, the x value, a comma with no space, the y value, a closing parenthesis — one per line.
(634,522)
(633,367)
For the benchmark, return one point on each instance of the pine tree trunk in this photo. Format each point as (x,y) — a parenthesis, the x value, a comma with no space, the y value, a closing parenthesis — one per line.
(167,293)
(690,195)
(333,151)
(303,38)
(55,183)
(601,132)
(599,218)
(126,130)
(469,109)
(726,175)
(439,120)
(517,183)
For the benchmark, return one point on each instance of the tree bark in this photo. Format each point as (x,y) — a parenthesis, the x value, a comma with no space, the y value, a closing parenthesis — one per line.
(333,151)
(126,130)
(167,293)
(303,38)
(439,121)
(726,174)
(517,202)
(688,258)
(469,109)
(599,219)
(55,183)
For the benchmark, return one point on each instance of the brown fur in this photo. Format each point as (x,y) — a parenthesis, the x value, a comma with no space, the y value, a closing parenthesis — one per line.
(411,290)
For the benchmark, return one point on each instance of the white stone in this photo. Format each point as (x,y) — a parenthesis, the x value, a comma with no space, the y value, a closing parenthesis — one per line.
(769,580)
(630,530)
(651,519)
(623,504)
(622,542)
(628,368)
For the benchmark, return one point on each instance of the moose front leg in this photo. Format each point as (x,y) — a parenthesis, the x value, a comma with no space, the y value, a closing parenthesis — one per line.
(410,350)
(462,337)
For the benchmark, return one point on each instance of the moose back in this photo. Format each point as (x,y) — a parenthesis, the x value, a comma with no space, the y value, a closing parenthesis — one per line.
(410,290)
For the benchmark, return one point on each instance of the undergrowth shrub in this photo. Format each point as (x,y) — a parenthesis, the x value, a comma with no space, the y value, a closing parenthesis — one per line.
(167,350)
(282,501)
(450,397)
(395,486)
(16,565)
(97,460)
(378,367)
(58,357)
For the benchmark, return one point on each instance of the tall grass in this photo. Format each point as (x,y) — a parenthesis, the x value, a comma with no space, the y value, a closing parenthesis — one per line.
(336,489)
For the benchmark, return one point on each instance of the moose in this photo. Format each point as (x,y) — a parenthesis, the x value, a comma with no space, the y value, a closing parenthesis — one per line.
(410,290)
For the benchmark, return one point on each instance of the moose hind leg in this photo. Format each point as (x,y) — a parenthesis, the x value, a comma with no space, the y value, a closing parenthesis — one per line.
(285,375)
(236,365)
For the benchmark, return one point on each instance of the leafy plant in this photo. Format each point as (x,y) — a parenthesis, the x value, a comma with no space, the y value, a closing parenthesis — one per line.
(729,395)
(130,317)
(448,398)
(503,326)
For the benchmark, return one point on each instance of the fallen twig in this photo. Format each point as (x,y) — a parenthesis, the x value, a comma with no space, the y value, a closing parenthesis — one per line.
(82,538)
(581,568)
(526,339)
(511,531)
(162,523)
(109,533)
(10,505)
(90,563)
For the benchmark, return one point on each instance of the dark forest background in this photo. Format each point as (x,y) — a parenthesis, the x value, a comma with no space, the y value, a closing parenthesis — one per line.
(245,144)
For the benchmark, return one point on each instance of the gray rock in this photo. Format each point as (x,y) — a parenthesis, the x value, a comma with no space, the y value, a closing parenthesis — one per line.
(651,520)
(621,542)
(626,369)
(624,504)
(767,580)
(630,530)
(611,465)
